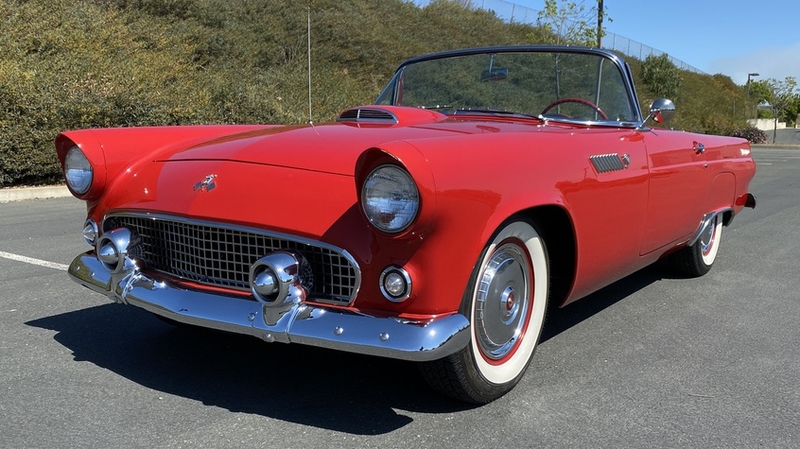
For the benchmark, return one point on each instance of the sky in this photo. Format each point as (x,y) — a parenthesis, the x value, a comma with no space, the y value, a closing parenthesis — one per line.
(732,37)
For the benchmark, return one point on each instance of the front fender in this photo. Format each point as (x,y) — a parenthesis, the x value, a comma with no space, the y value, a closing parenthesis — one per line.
(442,249)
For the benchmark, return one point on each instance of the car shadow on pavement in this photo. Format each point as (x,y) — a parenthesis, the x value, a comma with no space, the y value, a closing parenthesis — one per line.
(333,390)
(559,320)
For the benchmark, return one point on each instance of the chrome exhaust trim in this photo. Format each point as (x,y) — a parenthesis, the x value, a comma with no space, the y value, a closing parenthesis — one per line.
(750,201)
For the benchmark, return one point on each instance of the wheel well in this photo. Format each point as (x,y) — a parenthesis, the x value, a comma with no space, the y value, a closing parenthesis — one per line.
(727,217)
(557,231)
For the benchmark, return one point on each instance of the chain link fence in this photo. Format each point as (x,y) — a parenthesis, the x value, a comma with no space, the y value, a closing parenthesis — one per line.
(513,12)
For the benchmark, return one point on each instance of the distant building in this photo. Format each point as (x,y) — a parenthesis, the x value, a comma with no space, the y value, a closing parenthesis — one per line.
(766,124)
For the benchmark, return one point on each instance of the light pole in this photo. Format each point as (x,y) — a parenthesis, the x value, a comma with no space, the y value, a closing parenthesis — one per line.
(600,23)
(749,75)
(753,74)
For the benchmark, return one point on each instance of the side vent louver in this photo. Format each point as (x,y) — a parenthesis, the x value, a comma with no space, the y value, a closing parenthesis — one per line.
(367,115)
(604,163)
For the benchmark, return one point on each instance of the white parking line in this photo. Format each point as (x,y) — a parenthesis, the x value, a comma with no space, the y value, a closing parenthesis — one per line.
(32,261)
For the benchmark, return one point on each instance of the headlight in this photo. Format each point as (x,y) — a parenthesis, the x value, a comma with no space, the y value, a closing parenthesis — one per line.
(77,171)
(390,198)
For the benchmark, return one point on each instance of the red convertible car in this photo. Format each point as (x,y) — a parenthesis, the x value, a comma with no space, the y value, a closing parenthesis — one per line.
(437,225)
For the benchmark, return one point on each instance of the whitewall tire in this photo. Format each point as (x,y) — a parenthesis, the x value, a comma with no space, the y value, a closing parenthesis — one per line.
(506,303)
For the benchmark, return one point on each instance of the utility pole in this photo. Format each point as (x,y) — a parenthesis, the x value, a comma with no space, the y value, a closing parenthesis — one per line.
(599,23)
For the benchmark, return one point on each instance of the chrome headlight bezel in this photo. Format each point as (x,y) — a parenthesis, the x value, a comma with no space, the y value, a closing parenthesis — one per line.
(78,171)
(390,198)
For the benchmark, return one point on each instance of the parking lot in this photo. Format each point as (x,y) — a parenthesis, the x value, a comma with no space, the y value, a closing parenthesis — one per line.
(650,361)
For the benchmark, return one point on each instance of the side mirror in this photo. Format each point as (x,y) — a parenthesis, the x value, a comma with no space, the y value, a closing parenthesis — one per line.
(661,111)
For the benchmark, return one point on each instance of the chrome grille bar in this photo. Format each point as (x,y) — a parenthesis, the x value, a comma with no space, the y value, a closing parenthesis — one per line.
(221,255)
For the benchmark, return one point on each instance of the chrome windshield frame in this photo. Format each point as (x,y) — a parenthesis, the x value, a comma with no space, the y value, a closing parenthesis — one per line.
(389,95)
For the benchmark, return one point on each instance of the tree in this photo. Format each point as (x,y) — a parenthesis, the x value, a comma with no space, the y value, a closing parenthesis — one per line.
(792,110)
(570,23)
(661,76)
(782,98)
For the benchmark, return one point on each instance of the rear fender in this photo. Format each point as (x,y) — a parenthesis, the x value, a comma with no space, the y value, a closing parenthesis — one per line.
(722,195)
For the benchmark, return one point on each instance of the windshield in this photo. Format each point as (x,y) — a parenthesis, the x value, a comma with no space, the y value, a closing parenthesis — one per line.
(570,86)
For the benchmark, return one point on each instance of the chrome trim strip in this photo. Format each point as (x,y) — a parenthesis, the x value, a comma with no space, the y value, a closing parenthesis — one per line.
(304,324)
(599,124)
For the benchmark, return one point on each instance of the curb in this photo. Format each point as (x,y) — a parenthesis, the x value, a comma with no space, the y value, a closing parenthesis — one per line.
(32,193)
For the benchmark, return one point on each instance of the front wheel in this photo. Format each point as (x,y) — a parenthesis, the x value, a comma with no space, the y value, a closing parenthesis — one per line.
(505,303)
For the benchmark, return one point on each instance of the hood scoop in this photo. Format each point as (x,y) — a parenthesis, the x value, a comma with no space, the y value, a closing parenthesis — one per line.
(368,115)
(389,116)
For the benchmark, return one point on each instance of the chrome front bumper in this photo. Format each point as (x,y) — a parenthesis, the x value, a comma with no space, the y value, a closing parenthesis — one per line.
(301,323)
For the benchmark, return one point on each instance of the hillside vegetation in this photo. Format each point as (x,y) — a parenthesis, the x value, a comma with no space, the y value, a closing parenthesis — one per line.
(69,64)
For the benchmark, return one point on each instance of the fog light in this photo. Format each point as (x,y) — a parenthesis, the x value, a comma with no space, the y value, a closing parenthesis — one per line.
(395,284)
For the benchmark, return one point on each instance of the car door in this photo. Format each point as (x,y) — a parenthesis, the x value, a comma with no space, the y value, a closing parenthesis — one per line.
(678,187)
(607,201)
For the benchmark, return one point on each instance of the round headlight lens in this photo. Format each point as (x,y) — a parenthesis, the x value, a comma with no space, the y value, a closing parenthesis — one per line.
(77,171)
(390,198)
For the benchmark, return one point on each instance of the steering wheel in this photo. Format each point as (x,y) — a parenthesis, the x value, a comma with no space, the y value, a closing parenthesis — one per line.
(586,103)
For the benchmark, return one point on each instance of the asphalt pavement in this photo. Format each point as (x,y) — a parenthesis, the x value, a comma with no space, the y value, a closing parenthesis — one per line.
(650,361)
(787,136)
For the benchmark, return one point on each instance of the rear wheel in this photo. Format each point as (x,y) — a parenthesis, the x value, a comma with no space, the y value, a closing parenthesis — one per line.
(697,259)
(505,303)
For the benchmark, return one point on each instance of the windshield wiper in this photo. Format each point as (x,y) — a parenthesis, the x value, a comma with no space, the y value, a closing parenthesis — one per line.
(493,111)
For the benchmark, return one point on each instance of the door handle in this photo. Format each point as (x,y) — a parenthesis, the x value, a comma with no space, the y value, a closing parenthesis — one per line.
(698,147)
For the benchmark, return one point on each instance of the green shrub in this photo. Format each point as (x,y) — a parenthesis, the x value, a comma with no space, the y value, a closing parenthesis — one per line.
(69,64)
(751,133)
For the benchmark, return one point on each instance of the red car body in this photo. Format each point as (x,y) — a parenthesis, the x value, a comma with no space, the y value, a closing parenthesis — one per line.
(607,199)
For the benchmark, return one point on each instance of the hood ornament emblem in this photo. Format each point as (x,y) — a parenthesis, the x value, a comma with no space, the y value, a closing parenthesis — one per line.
(206,185)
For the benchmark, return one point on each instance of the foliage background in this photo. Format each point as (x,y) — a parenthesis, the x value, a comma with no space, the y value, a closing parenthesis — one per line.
(69,64)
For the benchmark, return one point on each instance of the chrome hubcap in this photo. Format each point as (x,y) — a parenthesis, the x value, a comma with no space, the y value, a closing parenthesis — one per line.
(502,302)
(707,238)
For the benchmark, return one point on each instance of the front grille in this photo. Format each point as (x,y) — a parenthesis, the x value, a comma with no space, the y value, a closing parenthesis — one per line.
(221,255)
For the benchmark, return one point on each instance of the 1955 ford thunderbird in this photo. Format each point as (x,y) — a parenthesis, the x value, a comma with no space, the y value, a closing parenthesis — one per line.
(436,225)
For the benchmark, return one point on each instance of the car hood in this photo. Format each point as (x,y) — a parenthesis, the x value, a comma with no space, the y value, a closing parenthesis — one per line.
(335,147)
(326,148)
(298,179)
